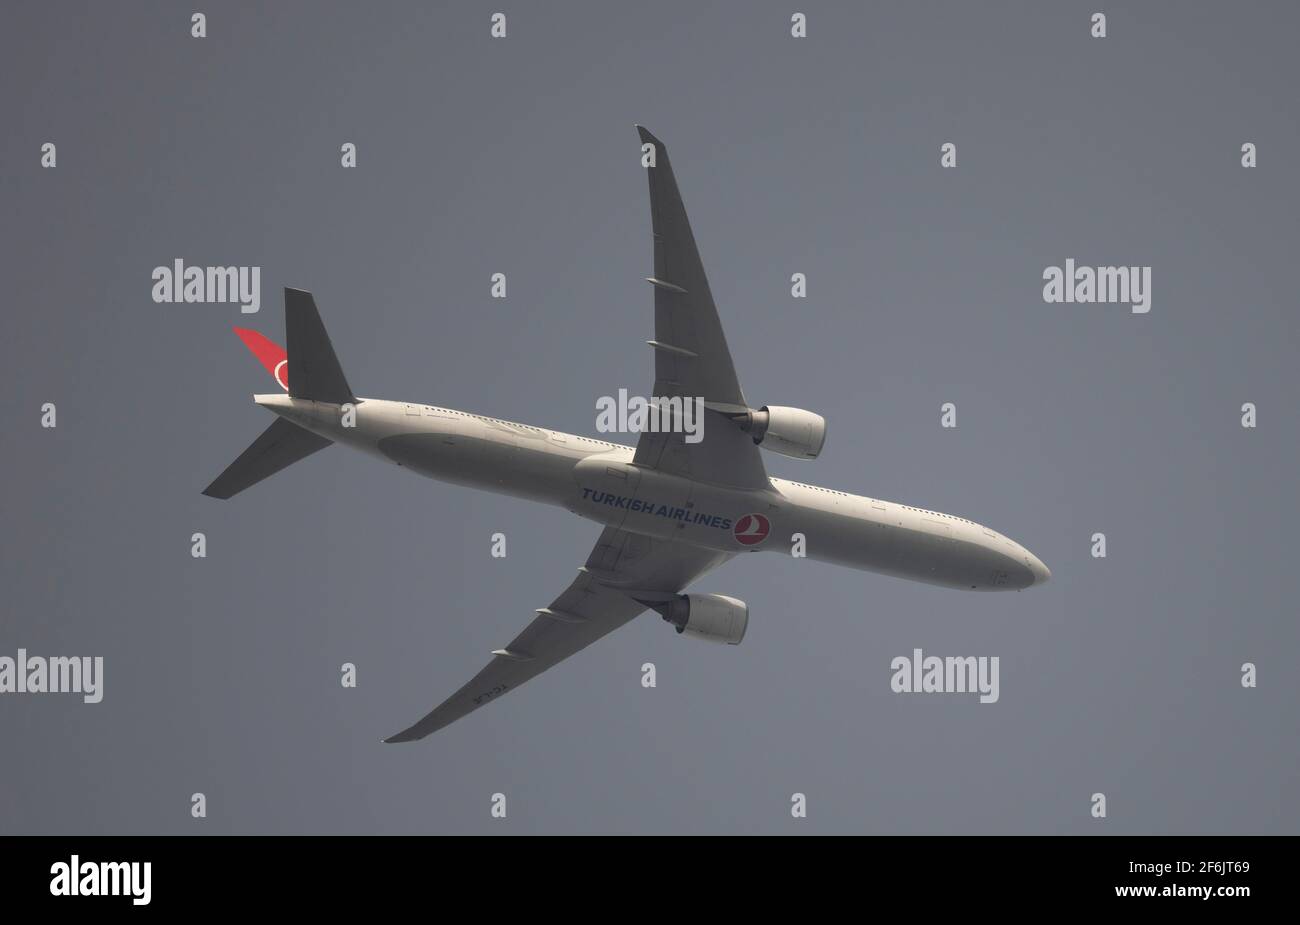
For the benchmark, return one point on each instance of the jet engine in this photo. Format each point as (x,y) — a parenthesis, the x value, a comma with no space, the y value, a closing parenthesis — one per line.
(706,616)
(788,431)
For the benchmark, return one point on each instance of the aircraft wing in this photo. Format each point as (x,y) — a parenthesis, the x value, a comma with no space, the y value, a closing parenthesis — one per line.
(691,355)
(597,602)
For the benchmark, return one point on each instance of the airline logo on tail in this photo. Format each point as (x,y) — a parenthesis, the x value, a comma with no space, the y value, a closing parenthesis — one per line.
(751,529)
(271,354)
(316,377)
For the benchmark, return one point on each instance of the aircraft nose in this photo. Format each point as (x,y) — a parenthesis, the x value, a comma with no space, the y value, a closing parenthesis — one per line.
(1042,574)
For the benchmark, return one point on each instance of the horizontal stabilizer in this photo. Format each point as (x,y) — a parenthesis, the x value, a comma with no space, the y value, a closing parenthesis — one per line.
(282,444)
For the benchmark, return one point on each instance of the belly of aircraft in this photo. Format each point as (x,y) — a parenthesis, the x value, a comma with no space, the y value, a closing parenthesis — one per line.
(608,489)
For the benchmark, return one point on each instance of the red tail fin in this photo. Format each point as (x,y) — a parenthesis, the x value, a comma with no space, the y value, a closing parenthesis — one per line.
(272,355)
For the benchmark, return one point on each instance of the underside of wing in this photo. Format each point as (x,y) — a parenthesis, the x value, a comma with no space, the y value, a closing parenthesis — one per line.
(622,567)
(692,360)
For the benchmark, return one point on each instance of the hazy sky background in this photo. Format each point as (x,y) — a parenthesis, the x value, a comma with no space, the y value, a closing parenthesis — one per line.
(819,156)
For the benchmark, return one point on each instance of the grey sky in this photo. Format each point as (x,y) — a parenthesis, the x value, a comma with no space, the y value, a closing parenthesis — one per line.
(818,155)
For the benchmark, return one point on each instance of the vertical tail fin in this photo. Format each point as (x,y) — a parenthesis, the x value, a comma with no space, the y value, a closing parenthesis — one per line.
(308,369)
(314,371)
(271,354)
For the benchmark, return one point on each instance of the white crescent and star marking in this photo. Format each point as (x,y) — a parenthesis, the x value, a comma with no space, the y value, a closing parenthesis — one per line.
(751,529)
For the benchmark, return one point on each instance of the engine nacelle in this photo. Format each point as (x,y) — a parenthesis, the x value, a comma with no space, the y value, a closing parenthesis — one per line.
(707,616)
(788,431)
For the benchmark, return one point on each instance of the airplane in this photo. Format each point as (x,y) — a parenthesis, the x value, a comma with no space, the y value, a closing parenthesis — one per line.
(672,509)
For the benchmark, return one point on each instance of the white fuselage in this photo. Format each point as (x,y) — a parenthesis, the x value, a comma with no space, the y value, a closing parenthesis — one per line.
(599,481)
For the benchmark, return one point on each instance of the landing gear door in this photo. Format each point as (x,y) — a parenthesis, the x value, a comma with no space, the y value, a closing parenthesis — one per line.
(613,484)
(622,481)
(618,550)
